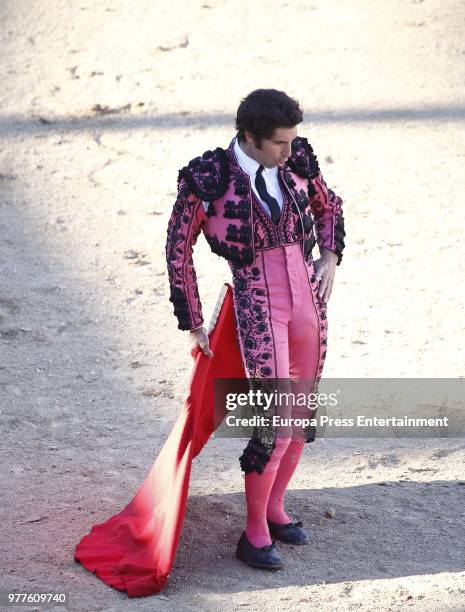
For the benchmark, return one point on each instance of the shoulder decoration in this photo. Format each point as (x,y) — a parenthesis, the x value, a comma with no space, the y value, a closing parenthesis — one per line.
(207,176)
(303,160)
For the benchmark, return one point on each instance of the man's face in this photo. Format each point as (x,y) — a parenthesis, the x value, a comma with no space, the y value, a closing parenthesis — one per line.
(273,151)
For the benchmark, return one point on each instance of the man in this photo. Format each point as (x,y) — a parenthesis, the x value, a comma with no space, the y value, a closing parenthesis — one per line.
(262,204)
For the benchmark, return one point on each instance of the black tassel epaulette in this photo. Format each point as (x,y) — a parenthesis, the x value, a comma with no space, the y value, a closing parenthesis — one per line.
(207,176)
(303,160)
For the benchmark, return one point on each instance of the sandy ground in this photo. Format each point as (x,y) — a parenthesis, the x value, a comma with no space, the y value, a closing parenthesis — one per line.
(101,103)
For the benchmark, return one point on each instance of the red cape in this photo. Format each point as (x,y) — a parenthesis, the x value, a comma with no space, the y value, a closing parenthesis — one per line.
(134,550)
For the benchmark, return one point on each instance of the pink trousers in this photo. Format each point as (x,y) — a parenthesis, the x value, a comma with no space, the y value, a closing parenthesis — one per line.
(295,311)
(282,329)
(281,322)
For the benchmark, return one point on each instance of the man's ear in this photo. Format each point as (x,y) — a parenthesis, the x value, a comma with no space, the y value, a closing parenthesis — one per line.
(249,137)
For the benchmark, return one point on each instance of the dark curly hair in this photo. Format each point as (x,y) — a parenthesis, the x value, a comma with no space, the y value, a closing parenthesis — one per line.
(264,110)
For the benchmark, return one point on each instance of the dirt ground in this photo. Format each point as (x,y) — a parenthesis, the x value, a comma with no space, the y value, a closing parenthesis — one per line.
(101,104)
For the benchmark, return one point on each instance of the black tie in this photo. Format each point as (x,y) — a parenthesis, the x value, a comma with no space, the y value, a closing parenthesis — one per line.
(265,196)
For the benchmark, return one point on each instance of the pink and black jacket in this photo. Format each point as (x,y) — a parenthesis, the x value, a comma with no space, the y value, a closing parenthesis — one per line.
(228,222)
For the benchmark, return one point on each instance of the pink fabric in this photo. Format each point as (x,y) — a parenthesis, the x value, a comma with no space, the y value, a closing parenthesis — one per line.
(282,327)
(287,466)
(296,354)
(294,318)
(257,492)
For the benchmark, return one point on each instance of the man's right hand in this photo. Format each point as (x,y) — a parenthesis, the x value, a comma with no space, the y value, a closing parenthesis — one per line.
(199,337)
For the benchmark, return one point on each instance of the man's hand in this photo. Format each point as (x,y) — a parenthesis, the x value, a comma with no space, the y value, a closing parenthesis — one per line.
(325,269)
(199,337)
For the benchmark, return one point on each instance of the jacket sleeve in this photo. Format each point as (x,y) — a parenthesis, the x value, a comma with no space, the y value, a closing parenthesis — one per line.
(184,226)
(326,208)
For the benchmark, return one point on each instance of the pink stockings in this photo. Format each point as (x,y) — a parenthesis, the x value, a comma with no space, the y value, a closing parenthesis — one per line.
(264,492)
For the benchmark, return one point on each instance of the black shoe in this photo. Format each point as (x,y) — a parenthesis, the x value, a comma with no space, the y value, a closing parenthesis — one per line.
(291,533)
(265,557)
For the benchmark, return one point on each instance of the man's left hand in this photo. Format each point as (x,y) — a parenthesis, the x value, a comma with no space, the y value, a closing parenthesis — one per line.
(325,270)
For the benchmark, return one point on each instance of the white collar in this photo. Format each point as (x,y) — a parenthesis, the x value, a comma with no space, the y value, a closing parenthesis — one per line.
(249,164)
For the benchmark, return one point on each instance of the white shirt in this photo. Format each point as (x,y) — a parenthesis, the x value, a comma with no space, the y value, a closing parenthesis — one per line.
(250,166)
